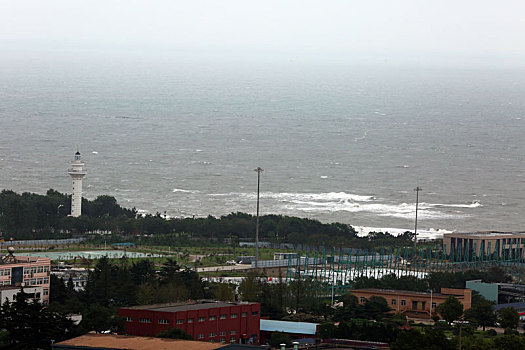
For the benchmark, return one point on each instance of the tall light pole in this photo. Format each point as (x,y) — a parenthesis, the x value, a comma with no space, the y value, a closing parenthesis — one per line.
(259,170)
(417,189)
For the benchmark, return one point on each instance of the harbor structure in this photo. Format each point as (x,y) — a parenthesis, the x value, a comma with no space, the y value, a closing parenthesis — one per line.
(211,321)
(24,274)
(77,173)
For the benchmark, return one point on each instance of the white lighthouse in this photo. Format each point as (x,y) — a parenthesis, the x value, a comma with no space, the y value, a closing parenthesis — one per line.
(77,172)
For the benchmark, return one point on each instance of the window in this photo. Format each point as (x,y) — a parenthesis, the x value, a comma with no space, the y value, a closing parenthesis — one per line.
(362,299)
(223,340)
(232,339)
(244,314)
(233,332)
(222,333)
(393,301)
(46,268)
(403,302)
(164,321)
(33,269)
(223,317)
(33,281)
(26,270)
(129,319)
(414,305)
(255,313)
(200,336)
(7,272)
(180,321)
(212,318)
(233,315)
(40,269)
(145,320)
(433,305)
(211,335)
(39,280)
(202,319)
(46,280)
(190,320)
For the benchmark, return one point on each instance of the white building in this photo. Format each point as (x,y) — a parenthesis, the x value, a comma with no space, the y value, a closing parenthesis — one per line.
(77,172)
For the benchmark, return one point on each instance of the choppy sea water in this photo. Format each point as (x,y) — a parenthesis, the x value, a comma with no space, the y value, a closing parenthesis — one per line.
(337,143)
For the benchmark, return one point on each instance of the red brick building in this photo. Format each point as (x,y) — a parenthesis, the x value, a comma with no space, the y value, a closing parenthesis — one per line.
(220,322)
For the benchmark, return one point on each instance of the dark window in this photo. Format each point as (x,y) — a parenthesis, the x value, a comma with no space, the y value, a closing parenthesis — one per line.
(414,305)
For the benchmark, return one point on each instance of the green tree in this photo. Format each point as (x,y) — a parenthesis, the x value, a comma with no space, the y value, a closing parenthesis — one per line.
(376,307)
(430,339)
(249,287)
(31,326)
(481,313)
(99,318)
(223,292)
(509,342)
(174,333)
(451,309)
(278,338)
(508,318)
(145,294)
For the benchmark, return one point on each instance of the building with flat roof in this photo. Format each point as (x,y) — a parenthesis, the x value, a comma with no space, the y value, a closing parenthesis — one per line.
(23,272)
(211,321)
(487,243)
(415,304)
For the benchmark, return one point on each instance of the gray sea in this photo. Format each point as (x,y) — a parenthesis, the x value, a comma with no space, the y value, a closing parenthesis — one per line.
(337,142)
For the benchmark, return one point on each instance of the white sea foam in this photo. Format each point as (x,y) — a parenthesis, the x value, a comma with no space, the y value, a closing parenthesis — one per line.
(429,233)
(184,191)
(474,204)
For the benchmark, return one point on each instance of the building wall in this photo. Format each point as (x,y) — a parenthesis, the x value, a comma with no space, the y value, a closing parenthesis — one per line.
(487,290)
(503,244)
(415,303)
(34,272)
(231,324)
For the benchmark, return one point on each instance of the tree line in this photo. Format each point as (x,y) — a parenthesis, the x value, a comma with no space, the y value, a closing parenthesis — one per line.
(35,216)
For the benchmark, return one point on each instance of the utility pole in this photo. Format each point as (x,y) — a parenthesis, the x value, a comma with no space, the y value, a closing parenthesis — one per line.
(417,189)
(259,170)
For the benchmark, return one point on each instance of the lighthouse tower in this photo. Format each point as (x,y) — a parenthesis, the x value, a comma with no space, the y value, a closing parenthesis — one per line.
(77,172)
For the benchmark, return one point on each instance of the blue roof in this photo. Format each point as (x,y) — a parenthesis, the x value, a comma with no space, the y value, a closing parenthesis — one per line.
(517,306)
(288,327)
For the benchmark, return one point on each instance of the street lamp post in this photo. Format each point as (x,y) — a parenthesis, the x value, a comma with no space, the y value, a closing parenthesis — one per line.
(417,189)
(259,170)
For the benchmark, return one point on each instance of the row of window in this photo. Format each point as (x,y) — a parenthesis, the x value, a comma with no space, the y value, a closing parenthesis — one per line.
(211,335)
(402,302)
(36,281)
(190,320)
(5,283)
(5,272)
(36,269)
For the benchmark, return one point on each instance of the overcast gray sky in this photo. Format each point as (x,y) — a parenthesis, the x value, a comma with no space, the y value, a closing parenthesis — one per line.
(484,30)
